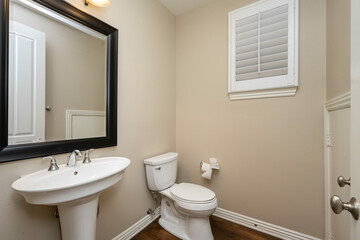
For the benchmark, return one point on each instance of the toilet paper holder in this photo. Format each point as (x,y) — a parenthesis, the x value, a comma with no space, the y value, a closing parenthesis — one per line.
(207,168)
(213,162)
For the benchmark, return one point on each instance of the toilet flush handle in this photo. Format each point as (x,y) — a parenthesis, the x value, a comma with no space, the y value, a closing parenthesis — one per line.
(158,168)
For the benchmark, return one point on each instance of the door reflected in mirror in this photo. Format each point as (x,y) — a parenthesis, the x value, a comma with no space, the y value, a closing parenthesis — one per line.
(57,77)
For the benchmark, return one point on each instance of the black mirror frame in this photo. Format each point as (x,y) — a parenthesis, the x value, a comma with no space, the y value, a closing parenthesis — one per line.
(17,152)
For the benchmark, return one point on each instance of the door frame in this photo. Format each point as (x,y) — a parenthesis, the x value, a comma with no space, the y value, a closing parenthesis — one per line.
(335,104)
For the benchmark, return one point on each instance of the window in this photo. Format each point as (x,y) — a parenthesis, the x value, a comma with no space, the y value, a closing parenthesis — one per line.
(263,50)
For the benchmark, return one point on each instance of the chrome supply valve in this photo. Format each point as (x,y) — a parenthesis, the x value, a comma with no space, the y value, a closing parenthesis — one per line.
(87,156)
(53,164)
(72,158)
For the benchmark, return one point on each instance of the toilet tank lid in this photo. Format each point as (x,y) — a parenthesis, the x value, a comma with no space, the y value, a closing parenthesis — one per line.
(161,159)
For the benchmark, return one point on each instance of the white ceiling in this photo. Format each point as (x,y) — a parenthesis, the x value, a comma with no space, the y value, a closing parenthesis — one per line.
(178,7)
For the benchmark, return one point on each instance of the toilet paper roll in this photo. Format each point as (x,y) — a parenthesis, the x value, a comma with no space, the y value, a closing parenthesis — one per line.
(207,174)
(214,163)
(205,167)
(212,160)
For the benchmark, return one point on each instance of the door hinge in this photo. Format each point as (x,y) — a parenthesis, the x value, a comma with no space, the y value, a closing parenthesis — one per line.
(329,236)
(329,140)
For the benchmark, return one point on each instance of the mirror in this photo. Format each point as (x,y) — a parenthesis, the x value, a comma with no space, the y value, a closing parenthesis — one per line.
(61,80)
(57,77)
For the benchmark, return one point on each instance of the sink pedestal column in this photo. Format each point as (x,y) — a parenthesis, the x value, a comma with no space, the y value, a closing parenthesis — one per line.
(78,218)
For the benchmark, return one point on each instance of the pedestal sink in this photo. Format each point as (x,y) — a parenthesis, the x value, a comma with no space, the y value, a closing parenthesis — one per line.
(75,190)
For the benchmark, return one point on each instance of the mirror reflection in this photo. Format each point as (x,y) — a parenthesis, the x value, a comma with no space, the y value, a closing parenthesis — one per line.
(57,77)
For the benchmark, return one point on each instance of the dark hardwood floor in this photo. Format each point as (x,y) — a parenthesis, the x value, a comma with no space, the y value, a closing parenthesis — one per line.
(222,230)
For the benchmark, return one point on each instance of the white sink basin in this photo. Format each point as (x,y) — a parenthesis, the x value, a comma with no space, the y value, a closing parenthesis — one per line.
(71,183)
(75,191)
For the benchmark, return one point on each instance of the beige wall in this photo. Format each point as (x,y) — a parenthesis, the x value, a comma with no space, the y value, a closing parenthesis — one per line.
(146,125)
(72,80)
(338,47)
(270,150)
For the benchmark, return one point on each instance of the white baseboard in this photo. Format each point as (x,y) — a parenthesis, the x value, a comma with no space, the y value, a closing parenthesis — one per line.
(261,226)
(138,226)
(252,223)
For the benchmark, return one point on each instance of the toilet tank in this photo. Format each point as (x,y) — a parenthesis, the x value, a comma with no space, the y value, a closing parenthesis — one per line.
(161,171)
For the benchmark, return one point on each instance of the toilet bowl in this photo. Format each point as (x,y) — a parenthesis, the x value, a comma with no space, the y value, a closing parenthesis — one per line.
(185,207)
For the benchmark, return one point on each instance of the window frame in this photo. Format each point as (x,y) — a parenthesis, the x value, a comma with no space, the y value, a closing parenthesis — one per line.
(275,86)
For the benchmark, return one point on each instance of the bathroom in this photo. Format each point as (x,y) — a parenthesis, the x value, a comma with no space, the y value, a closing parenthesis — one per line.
(172,96)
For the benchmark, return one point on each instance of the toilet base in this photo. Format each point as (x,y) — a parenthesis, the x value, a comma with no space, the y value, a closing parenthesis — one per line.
(199,228)
(181,225)
(176,230)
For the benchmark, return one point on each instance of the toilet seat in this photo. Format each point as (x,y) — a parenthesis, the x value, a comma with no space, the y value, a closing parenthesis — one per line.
(192,193)
(193,197)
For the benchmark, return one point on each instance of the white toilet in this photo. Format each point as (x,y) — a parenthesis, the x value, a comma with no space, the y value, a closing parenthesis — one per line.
(185,207)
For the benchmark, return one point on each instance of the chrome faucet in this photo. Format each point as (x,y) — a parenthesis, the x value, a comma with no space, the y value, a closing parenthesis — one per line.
(72,158)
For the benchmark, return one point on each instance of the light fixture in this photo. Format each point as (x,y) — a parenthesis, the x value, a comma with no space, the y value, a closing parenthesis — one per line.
(98,3)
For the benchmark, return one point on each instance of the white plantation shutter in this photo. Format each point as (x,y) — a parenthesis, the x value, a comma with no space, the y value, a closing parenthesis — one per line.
(263,46)
(247,48)
(274,41)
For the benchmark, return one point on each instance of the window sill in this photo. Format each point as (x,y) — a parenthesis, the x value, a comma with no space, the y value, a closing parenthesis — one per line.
(267,93)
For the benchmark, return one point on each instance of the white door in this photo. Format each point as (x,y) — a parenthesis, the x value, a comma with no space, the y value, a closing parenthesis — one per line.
(344,154)
(26,84)
(355,112)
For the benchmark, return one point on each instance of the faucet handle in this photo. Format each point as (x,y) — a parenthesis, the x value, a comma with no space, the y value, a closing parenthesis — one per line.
(53,164)
(87,156)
